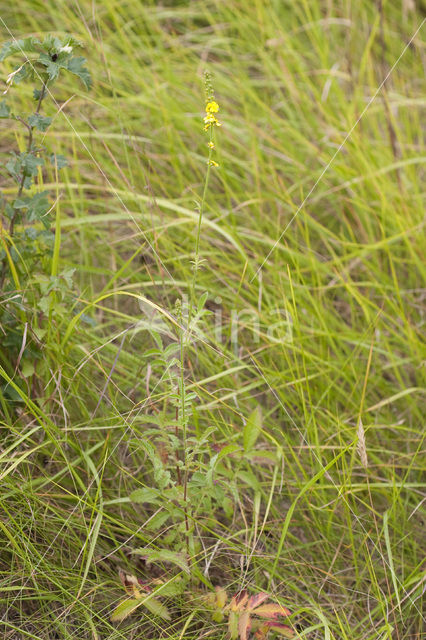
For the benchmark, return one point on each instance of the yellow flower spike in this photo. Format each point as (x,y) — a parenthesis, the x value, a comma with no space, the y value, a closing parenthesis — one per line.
(210,119)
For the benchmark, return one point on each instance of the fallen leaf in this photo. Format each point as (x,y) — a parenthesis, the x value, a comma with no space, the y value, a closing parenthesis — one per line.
(244,625)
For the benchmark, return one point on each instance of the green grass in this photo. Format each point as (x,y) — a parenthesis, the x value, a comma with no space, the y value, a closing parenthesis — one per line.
(338,237)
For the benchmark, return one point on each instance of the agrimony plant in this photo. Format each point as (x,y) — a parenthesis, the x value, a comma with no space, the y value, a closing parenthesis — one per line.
(181,470)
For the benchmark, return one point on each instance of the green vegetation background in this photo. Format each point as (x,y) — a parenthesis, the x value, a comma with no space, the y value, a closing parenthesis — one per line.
(292,79)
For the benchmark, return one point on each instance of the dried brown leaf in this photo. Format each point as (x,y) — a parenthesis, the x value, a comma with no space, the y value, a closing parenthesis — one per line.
(256,600)
(239,601)
(271,611)
(281,629)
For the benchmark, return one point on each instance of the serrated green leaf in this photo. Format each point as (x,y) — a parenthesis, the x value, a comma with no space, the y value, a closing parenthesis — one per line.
(233,625)
(36,207)
(262,455)
(40,333)
(67,275)
(158,520)
(30,164)
(157,608)
(14,166)
(39,122)
(145,495)
(27,368)
(252,429)
(164,555)
(9,211)
(198,479)
(225,451)
(51,44)
(124,609)
(202,301)
(250,479)
(21,203)
(26,71)
(52,67)
(54,45)
(43,304)
(173,588)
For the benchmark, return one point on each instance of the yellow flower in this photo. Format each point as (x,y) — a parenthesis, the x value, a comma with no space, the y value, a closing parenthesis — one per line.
(212,107)
(210,145)
(212,163)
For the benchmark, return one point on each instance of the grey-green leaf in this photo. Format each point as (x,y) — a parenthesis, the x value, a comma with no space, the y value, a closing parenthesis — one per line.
(52,68)
(37,206)
(76,66)
(39,122)
(30,164)
(58,160)
(4,110)
(25,45)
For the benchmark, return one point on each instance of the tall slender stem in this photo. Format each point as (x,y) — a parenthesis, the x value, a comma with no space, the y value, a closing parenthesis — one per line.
(198,236)
(183,415)
(182,345)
